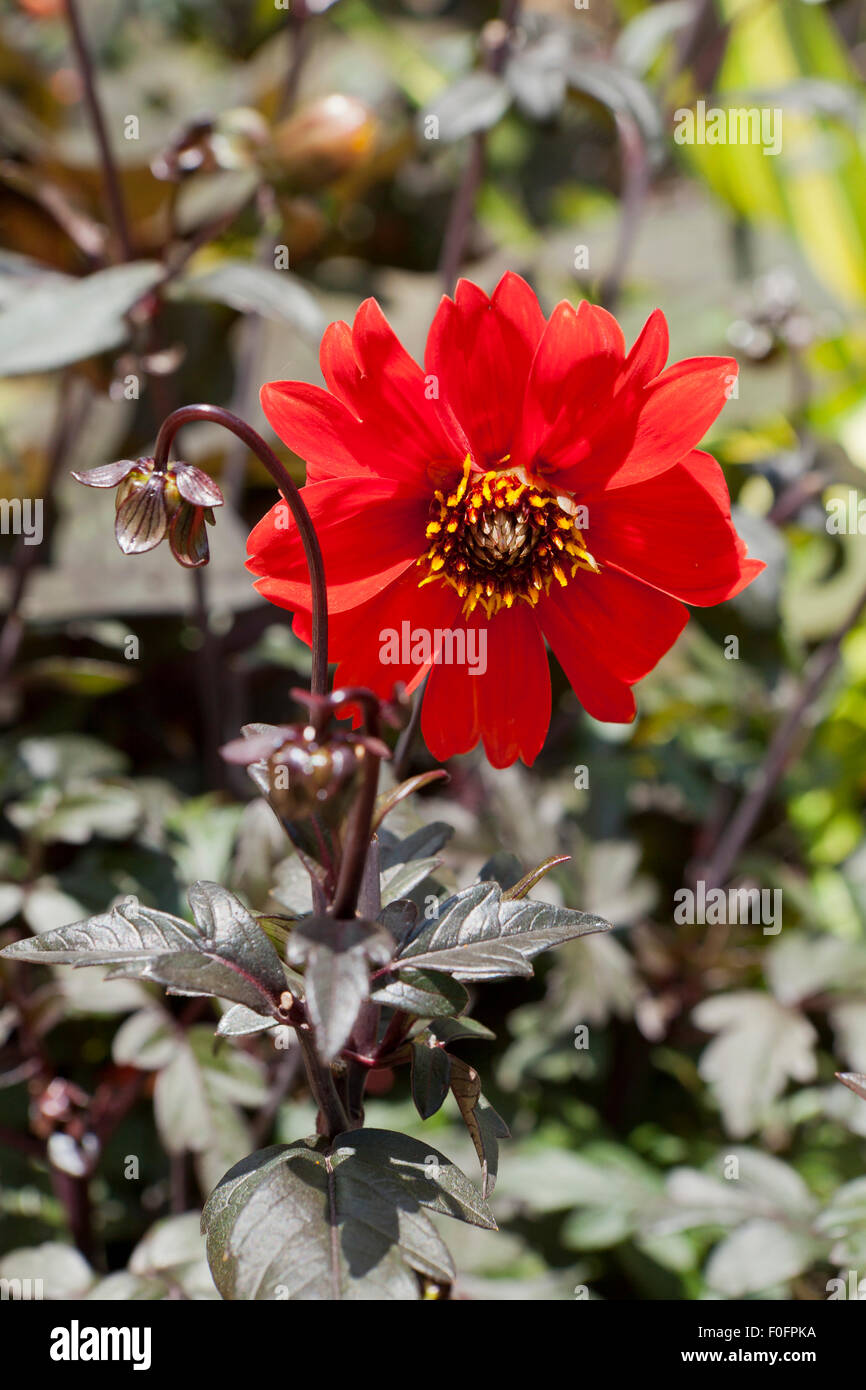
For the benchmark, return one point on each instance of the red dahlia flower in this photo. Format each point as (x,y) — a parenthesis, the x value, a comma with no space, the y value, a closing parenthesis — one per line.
(534,481)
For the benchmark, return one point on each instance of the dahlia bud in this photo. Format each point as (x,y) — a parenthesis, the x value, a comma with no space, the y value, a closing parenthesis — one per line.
(301,771)
(309,777)
(774,320)
(327,139)
(153,504)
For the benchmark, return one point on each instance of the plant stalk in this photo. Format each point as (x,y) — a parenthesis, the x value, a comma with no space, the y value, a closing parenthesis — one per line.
(110,177)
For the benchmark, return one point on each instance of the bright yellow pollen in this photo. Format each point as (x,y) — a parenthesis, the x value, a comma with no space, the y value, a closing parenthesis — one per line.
(497,539)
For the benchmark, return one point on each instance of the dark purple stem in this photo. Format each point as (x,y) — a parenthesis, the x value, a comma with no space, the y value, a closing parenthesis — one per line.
(70,418)
(360,828)
(463,207)
(110,177)
(779,754)
(217,415)
(635,184)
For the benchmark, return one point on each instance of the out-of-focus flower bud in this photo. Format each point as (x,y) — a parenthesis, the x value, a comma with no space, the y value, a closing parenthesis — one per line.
(773,319)
(324,141)
(233,140)
(153,504)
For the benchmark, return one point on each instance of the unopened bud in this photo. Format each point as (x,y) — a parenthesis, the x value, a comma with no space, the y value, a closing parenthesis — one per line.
(327,139)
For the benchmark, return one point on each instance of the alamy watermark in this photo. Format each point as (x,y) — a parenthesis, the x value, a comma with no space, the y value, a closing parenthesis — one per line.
(22,516)
(729,125)
(715,906)
(439,646)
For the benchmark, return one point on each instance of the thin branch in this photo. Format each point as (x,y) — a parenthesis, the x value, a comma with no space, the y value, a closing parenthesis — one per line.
(463,207)
(110,176)
(359,833)
(778,756)
(299,37)
(406,741)
(332,1116)
(635,184)
(69,421)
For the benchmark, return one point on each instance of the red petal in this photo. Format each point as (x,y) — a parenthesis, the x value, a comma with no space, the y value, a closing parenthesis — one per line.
(368,368)
(674,532)
(676,411)
(650,351)
(607,631)
(358,637)
(369,531)
(515,690)
(480,351)
(573,373)
(641,425)
(320,430)
(450,721)
(507,704)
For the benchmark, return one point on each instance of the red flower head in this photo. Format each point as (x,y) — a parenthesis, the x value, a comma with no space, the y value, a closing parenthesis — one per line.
(534,481)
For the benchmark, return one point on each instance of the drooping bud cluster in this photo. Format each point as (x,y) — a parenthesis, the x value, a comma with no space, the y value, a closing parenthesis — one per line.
(152,504)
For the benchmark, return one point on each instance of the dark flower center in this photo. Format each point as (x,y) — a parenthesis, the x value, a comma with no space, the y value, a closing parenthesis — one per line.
(500,537)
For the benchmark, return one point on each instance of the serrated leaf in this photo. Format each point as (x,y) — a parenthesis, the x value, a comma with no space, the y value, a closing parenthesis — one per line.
(310,1221)
(147,1039)
(399,880)
(422,992)
(223,954)
(430,1075)
(400,918)
(485,1126)
(196,1096)
(239,1022)
(478,936)
(62,1272)
(453,1029)
(536,75)
(624,94)
(758,1256)
(855,1081)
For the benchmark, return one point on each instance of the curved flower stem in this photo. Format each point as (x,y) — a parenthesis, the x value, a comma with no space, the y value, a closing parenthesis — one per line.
(217,415)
